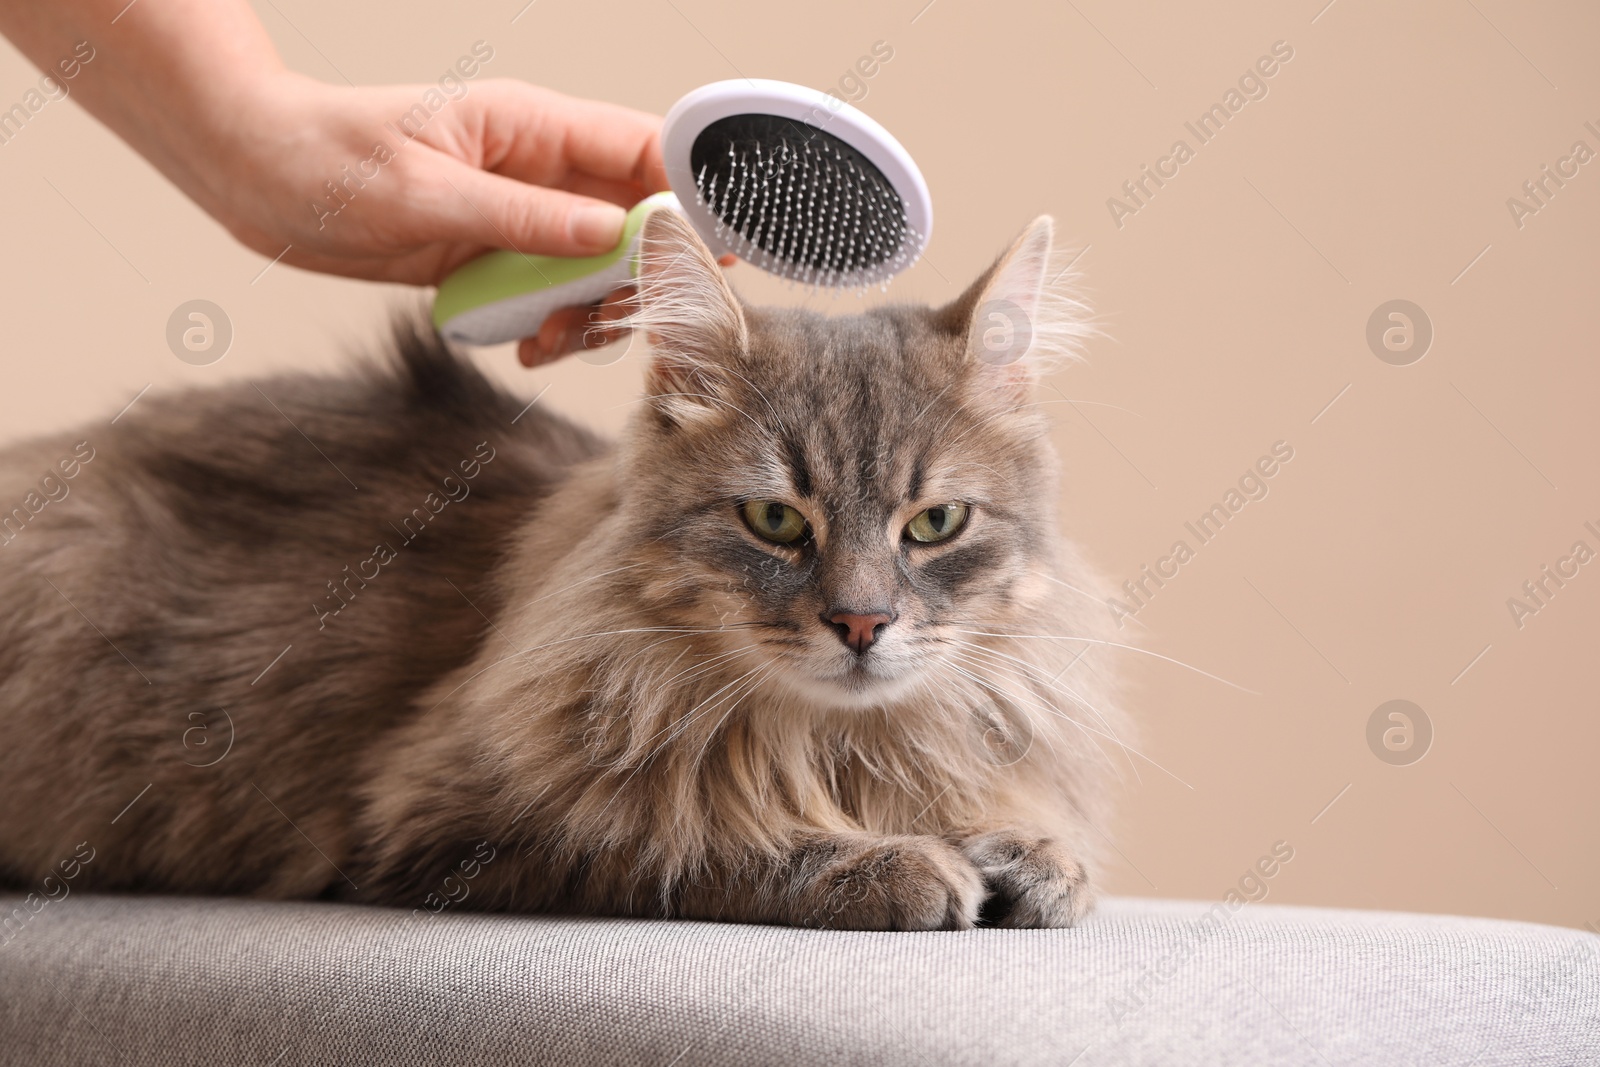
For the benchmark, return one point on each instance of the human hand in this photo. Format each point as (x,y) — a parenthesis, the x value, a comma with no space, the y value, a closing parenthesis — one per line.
(394,183)
(330,174)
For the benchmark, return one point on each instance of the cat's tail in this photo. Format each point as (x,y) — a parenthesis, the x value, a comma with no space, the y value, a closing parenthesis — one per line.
(434,376)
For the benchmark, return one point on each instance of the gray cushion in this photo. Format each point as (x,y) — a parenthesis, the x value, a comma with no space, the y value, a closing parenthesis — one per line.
(140,980)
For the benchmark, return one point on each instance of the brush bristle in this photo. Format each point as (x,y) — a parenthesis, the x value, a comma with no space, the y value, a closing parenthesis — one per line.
(800,203)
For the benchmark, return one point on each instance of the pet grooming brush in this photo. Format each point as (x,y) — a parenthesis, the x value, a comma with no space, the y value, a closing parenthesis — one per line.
(792,180)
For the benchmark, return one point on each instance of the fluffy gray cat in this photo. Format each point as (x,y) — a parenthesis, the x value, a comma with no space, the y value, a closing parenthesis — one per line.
(806,646)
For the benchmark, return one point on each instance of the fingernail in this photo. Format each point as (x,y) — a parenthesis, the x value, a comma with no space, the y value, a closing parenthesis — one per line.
(597,226)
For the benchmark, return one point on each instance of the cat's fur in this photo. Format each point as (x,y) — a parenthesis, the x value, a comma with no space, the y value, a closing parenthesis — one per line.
(525,669)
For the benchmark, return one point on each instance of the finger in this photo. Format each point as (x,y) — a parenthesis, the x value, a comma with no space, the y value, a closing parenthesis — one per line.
(560,328)
(605,322)
(505,213)
(617,304)
(573,329)
(575,339)
(626,194)
(618,143)
(529,354)
(542,137)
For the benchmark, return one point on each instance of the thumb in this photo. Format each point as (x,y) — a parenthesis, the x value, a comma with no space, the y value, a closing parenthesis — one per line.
(505,213)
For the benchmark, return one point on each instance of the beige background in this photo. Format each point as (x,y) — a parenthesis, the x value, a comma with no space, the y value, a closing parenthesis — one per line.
(1236,300)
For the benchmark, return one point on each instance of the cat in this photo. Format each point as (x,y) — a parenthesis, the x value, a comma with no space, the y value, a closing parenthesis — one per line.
(806,646)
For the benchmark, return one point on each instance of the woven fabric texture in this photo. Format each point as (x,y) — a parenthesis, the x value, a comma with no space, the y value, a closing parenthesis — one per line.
(141,981)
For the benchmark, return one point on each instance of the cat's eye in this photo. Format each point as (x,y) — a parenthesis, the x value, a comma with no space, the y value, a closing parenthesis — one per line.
(774,521)
(937,523)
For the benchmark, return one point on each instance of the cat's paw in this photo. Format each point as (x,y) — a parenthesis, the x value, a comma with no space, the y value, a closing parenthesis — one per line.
(1032,880)
(892,883)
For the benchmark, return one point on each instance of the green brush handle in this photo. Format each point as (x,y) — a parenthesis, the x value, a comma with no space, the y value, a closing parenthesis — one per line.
(505,296)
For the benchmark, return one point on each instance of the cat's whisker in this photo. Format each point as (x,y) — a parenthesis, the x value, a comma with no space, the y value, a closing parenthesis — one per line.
(704,666)
(677,728)
(1114,644)
(967,648)
(996,477)
(688,673)
(692,671)
(704,633)
(1068,585)
(715,400)
(971,647)
(980,423)
(952,444)
(1040,725)
(1053,683)
(646,650)
(583,581)
(764,398)
(1065,399)
(1037,671)
(991,687)
(943,393)
(1114,740)
(762,675)
(975,664)
(679,631)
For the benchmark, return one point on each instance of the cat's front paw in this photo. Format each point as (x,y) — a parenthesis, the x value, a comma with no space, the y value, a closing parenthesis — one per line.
(1032,880)
(891,883)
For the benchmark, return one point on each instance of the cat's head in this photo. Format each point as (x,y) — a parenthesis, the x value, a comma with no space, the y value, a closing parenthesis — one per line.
(845,497)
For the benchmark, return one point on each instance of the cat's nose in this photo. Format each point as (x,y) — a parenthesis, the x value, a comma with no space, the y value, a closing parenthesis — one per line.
(858,630)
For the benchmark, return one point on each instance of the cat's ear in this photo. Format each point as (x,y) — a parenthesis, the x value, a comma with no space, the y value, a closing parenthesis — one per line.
(1020,318)
(691,316)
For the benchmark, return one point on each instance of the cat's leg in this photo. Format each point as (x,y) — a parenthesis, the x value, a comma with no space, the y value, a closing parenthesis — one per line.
(1034,880)
(849,881)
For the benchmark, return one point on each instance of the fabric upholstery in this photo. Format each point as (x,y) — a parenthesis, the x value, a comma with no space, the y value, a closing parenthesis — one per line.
(168,981)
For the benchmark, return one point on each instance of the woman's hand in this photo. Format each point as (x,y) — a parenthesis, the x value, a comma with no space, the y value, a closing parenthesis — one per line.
(368,183)
(391,183)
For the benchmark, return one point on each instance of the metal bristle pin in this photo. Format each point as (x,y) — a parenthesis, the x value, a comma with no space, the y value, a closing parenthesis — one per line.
(799,203)
(792,180)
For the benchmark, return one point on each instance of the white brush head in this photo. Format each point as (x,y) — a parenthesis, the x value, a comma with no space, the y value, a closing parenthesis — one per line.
(796,182)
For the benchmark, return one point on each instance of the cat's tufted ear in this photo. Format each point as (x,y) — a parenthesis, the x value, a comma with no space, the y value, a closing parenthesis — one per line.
(691,315)
(1019,318)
